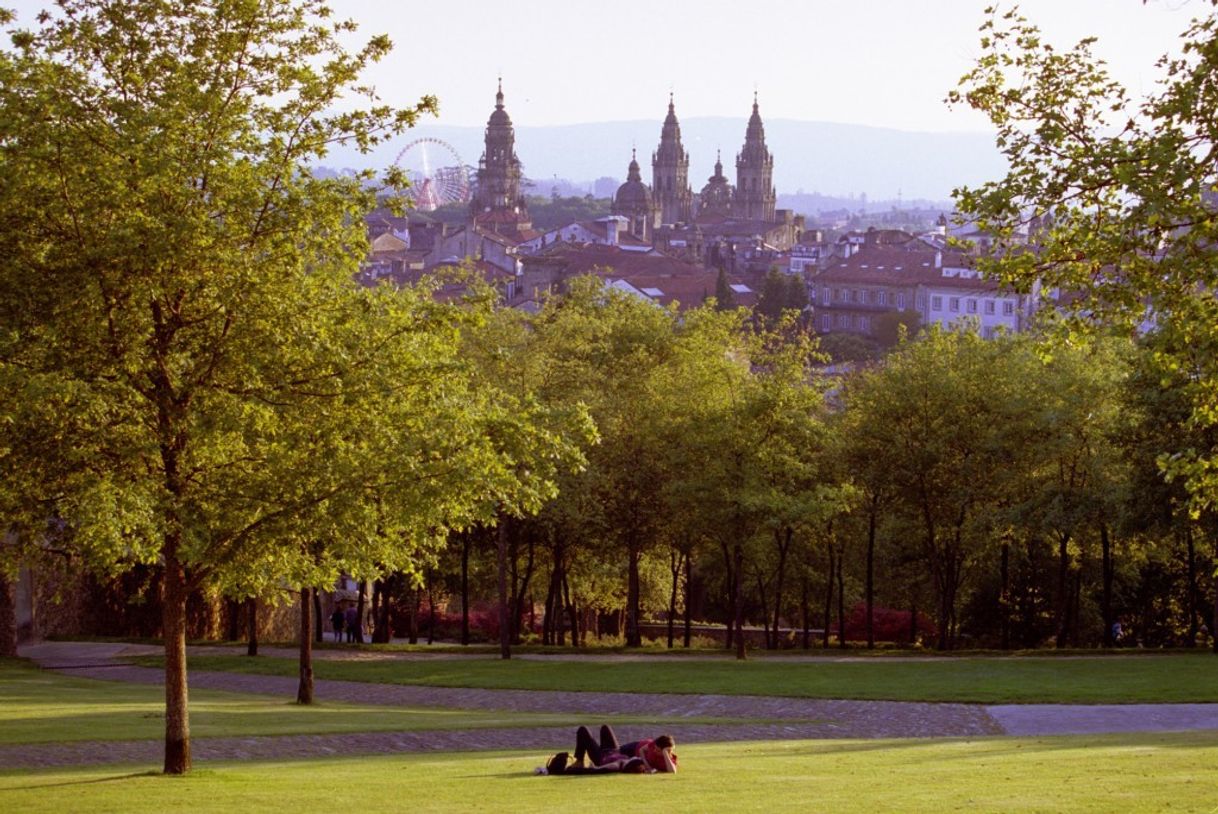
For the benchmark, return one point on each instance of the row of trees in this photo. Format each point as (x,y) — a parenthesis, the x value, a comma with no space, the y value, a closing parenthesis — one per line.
(1010,489)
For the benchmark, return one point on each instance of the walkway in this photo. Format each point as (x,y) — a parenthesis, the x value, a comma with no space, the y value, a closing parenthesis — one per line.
(785,718)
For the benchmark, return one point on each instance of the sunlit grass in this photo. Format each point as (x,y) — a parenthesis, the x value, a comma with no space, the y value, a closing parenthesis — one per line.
(43,707)
(1077,774)
(1173,678)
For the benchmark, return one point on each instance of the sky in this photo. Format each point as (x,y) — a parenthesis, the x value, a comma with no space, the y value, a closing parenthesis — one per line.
(886,63)
(879,63)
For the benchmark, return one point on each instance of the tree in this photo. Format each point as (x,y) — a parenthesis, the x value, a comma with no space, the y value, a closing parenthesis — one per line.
(725,299)
(1120,196)
(218,396)
(946,411)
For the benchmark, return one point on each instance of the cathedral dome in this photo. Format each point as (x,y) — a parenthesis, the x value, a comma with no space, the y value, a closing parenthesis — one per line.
(632,196)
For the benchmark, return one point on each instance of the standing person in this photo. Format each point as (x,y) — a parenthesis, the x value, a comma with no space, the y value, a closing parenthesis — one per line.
(336,621)
(352,620)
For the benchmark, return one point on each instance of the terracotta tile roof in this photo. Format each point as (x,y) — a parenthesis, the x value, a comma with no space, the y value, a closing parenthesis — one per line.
(583,259)
(882,265)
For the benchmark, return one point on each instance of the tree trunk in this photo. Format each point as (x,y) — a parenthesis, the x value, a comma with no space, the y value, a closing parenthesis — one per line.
(765,614)
(505,625)
(1214,615)
(913,621)
(674,563)
(304,691)
(869,586)
(1004,595)
(522,591)
(779,578)
(232,610)
(634,637)
(1106,575)
(465,544)
(804,612)
(360,607)
(177,712)
(572,613)
(1063,589)
(730,582)
(319,631)
(1194,627)
(412,635)
(251,621)
(8,617)
(739,569)
(828,598)
(689,603)
(841,605)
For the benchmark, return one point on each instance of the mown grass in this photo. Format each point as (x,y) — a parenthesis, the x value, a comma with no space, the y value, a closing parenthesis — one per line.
(44,707)
(1126,773)
(1109,680)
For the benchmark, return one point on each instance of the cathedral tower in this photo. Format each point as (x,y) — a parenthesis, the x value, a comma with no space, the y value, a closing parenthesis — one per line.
(755,196)
(670,173)
(497,195)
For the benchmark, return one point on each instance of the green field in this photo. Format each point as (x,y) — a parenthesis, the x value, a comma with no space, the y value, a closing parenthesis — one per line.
(1100,680)
(44,707)
(1095,774)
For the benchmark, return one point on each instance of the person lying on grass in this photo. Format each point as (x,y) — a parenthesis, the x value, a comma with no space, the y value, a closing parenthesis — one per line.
(608,756)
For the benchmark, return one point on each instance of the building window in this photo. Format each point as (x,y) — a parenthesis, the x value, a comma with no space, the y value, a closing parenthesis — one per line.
(865,324)
(989,307)
(972,306)
(826,323)
(936,303)
(854,295)
(841,295)
(1008,308)
(901,301)
(843,321)
(826,295)
(881,297)
(953,304)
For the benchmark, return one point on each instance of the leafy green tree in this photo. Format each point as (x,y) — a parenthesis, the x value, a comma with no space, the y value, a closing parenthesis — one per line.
(940,414)
(1118,194)
(773,297)
(217,395)
(725,298)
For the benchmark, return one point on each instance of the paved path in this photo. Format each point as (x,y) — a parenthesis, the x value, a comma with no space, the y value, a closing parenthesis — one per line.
(783,717)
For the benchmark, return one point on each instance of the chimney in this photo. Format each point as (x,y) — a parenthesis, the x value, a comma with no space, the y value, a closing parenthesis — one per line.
(938,259)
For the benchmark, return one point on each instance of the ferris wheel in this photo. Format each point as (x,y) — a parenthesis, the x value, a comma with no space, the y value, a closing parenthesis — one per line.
(437,174)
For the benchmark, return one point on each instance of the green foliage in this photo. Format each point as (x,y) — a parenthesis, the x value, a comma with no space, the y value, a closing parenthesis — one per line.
(1120,194)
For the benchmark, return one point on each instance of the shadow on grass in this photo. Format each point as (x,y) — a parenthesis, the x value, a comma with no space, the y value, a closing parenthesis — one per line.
(109,779)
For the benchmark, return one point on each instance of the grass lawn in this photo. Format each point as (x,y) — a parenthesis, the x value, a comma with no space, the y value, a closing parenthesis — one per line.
(1092,774)
(1100,680)
(43,707)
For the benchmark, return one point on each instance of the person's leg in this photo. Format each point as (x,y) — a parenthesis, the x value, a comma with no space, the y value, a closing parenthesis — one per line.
(586,745)
(608,739)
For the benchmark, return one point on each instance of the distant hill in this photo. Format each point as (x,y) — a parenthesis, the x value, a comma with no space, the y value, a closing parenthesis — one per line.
(838,160)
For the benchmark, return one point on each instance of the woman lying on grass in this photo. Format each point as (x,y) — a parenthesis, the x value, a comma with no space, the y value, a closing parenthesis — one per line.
(608,757)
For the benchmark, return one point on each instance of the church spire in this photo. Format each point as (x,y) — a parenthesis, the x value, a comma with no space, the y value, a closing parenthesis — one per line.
(755,195)
(499,96)
(670,171)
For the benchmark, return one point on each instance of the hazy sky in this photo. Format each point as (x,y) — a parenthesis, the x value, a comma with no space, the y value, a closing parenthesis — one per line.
(876,62)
